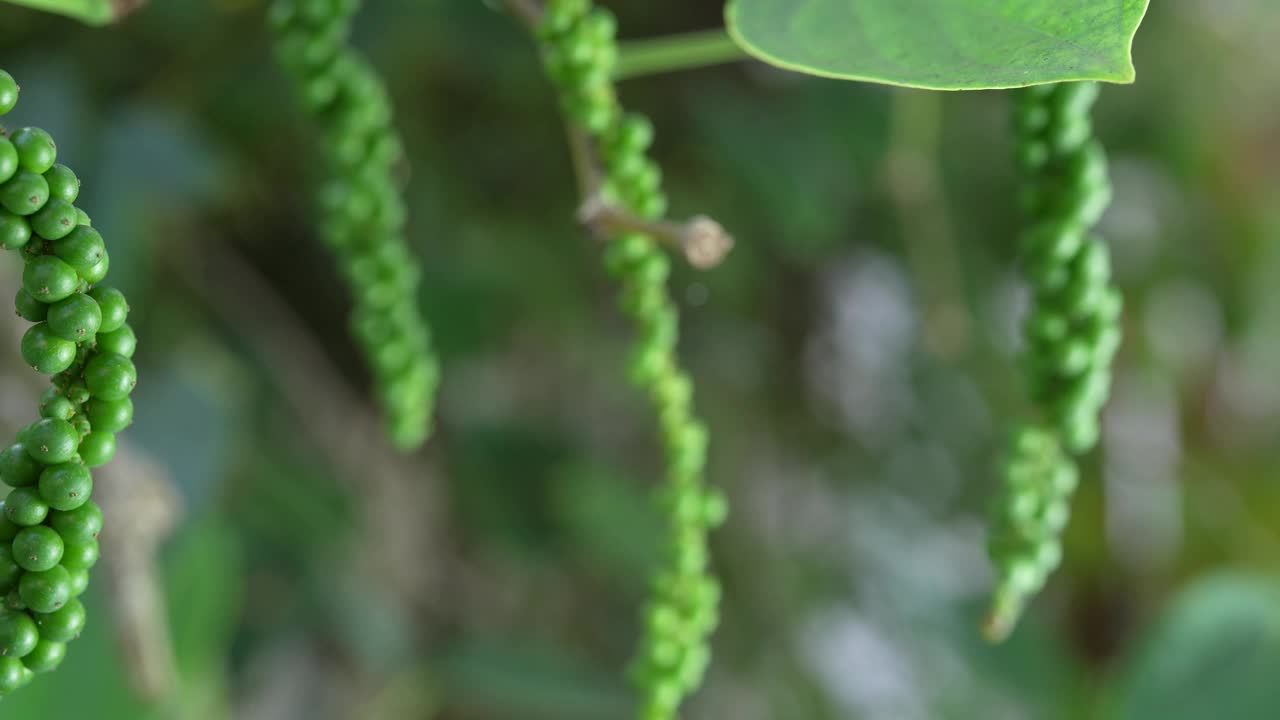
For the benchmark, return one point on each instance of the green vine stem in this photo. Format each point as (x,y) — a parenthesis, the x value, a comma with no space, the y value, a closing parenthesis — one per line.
(362,213)
(48,523)
(624,202)
(674,53)
(1072,334)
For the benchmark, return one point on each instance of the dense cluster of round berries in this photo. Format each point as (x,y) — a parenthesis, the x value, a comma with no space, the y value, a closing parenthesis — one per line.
(362,211)
(1072,334)
(579,51)
(48,524)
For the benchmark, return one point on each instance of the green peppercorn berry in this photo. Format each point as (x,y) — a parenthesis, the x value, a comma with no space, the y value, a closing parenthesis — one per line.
(97,448)
(28,307)
(109,415)
(18,634)
(45,351)
(114,306)
(52,441)
(82,249)
(63,625)
(79,525)
(37,548)
(25,507)
(63,183)
(24,193)
(96,273)
(17,467)
(110,376)
(80,555)
(10,570)
(46,656)
(8,530)
(13,675)
(82,426)
(55,220)
(8,159)
(49,279)
(46,591)
(8,92)
(76,392)
(36,151)
(75,318)
(59,407)
(15,230)
(66,486)
(79,581)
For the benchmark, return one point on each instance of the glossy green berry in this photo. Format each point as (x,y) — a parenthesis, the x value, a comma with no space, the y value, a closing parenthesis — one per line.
(83,249)
(46,591)
(109,415)
(15,230)
(114,306)
(49,279)
(66,486)
(8,92)
(120,342)
(97,448)
(28,307)
(13,674)
(36,151)
(75,318)
(18,468)
(59,407)
(18,634)
(24,193)
(10,570)
(76,392)
(45,351)
(80,555)
(110,376)
(46,656)
(8,159)
(82,426)
(63,184)
(79,581)
(37,548)
(63,625)
(55,220)
(25,507)
(79,525)
(94,275)
(52,441)
(8,530)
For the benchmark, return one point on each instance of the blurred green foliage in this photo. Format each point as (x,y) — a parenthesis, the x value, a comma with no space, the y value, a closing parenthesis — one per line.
(854,359)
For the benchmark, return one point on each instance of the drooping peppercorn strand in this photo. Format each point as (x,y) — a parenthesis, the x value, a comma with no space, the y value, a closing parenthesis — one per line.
(1072,333)
(579,51)
(362,213)
(48,524)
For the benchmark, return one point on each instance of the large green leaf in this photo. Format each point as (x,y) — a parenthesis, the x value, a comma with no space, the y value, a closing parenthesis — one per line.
(93,12)
(943,44)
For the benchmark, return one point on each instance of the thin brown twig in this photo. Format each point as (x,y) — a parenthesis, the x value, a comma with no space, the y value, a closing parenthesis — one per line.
(702,240)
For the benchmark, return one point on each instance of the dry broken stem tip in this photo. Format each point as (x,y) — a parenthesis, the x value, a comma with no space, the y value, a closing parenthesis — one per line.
(703,241)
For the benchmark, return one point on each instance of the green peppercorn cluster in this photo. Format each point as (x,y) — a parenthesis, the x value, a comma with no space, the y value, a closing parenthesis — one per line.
(48,524)
(362,213)
(1072,333)
(579,51)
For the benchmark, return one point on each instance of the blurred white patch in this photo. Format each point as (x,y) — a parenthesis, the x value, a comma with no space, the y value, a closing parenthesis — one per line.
(861,668)
(1184,326)
(1143,448)
(858,361)
(1146,201)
